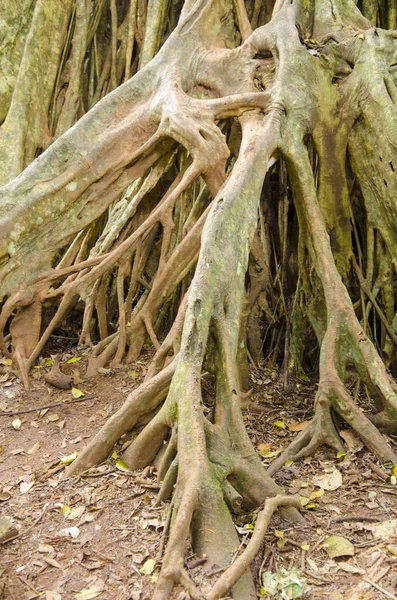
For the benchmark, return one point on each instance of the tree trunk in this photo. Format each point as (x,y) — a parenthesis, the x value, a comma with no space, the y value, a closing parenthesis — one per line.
(237,191)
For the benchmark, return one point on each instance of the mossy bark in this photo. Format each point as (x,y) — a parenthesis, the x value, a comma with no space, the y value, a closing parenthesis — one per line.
(244,177)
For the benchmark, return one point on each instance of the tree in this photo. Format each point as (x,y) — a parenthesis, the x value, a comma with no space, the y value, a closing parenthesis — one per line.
(242,181)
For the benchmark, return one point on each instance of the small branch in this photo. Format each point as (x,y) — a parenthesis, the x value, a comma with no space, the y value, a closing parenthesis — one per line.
(380,589)
(238,568)
(23,533)
(39,408)
(378,471)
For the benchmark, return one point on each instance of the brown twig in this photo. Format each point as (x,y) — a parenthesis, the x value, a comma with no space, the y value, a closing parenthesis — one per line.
(22,533)
(39,408)
(378,471)
(380,589)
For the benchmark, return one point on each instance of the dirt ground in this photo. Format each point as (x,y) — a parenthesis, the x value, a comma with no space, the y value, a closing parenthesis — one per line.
(99,536)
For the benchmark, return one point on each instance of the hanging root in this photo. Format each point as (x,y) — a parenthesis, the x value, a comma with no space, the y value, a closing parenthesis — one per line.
(344,342)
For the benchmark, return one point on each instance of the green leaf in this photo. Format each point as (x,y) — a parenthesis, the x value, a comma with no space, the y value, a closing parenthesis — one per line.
(288,463)
(49,362)
(340,454)
(284,584)
(133,374)
(76,393)
(336,545)
(74,359)
(66,460)
(304,377)
(279,424)
(148,567)
(121,466)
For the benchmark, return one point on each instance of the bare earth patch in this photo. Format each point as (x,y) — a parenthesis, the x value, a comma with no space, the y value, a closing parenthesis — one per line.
(101,535)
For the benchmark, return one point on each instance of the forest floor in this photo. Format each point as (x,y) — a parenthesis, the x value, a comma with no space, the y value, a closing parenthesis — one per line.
(99,536)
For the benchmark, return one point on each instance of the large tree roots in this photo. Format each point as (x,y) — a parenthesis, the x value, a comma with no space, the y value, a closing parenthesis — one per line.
(180,158)
(207,469)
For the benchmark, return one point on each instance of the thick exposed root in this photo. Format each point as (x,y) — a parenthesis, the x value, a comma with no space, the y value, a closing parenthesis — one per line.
(321,430)
(173,210)
(142,401)
(236,570)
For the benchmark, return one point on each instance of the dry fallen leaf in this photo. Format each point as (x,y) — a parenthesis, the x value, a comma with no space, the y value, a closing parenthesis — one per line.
(316,494)
(53,417)
(53,563)
(298,426)
(25,486)
(336,545)
(352,439)
(70,531)
(348,568)
(17,451)
(75,513)
(384,530)
(65,510)
(329,481)
(92,592)
(121,466)
(148,567)
(65,460)
(73,360)
(45,549)
(35,448)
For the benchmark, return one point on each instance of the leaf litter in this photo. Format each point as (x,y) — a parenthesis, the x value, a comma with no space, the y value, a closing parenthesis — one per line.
(108,537)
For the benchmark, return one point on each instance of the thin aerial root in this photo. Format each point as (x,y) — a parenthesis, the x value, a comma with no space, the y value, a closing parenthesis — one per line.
(159,359)
(166,529)
(167,455)
(238,568)
(169,481)
(300,442)
(64,306)
(369,433)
